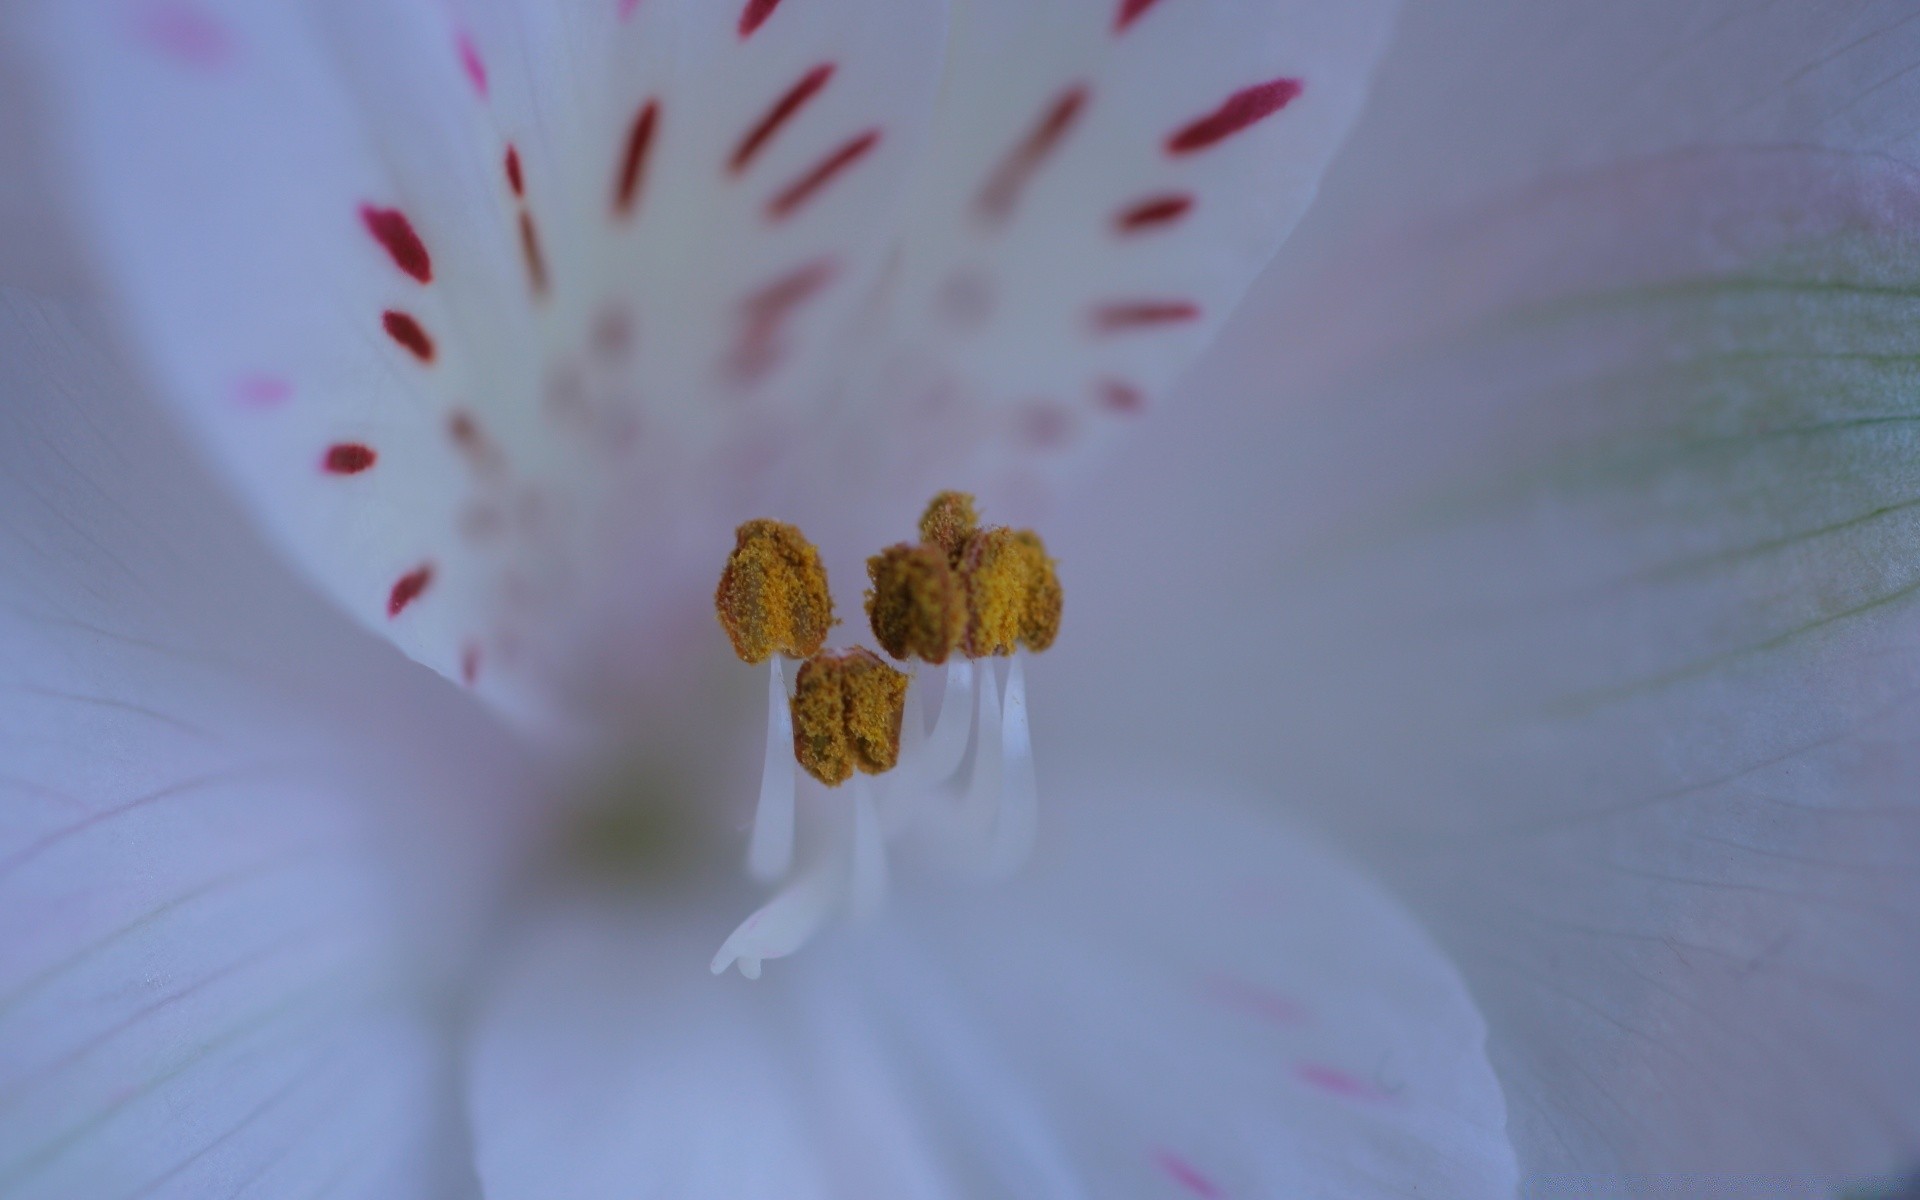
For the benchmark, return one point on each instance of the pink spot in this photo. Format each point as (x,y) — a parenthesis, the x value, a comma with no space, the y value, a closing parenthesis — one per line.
(515,180)
(1002,191)
(262,391)
(765,312)
(782,111)
(186,33)
(633,161)
(1130,11)
(390,227)
(1045,425)
(1152,213)
(755,15)
(1248,106)
(407,589)
(628,8)
(471,63)
(1254,1000)
(1334,1081)
(797,193)
(403,329)
(1140,314)
(613,333)
(530,251)
(469,663)
(1120,397)
(1186,1175)
(348,458)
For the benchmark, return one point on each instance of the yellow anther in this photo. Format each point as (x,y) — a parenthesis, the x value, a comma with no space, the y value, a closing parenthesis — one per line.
(1013,594)
(948,522)
(847,710)
(773,595)
(916,604)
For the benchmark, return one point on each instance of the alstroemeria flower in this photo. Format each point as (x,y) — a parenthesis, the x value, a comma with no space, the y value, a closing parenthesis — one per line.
(1554,557)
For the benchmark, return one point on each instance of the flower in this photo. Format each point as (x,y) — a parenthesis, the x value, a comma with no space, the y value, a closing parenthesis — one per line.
(1550,556)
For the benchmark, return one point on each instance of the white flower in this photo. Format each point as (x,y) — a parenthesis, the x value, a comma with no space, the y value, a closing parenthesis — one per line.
(1556,557)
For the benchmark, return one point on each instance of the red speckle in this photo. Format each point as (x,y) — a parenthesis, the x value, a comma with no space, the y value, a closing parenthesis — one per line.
(514,179)
(1003,187)
(408,587)
(1129,12)
(186,33)
(765,311)
(1120,397)
(755,14)
(469,663)
(613,333)
(803,189)
(390,227)
(1045,425)
(262,391)
(404,329)
(628,8)
(781,112)
(1152,213)
(1139,314)
(471,440)
(633,162)
(1254,1000)
(530,251)
(1248,106)
(471,63)
(349,458)
(1186,1175)
(1337,1082)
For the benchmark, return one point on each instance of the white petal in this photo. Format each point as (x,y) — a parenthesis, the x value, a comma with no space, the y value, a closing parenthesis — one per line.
(1590,601)
(1184,1000)
(1104,181)
(209,982)
(471,340)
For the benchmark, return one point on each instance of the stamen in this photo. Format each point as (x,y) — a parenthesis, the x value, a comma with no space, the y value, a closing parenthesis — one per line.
(784,923)
(770,850)
(916,605)
(847,711)
(1013,595)
(1013,832)
(867,883)
(947,744)
(773,595)
(948,522)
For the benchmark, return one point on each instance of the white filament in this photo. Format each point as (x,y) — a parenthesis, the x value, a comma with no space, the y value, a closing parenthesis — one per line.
(867,867)
(947,745)
(1013,832)
(980,807)
(770,850)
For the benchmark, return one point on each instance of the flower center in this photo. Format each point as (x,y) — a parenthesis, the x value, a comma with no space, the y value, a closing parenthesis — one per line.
(961,789)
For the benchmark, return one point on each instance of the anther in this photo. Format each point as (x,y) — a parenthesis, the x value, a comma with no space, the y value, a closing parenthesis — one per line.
(1013,594)
(948,522)
(916,605)
(773,595)
(847,711)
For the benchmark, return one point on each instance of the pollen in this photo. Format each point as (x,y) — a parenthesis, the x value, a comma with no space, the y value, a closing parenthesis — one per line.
(916,605)
(847,711)
(948,522)
(1013,593)
(773,595)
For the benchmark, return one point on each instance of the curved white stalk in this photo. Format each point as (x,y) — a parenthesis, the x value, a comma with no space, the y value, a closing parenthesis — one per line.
(980,805)
(867,869)
(1013,831)
(770,851)
(947,745)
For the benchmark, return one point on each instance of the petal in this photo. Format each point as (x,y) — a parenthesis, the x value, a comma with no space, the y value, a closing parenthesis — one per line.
(1184,1000)
(1104,181)
(392,261)
(210,977)
(1593,611)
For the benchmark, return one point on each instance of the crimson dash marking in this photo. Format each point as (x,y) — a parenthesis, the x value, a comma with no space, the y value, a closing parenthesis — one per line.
(633,161)
(755,14)
(1187,1175)
(766,311)
(804,188)
(1129,12)
(348,458)
(404,329)
(1254,1000)
(469,663)
(408,588)
(186,33)
(1141,314)
(1248,106)
(473,65)
(1338,1082)
(515,179)
(390,227)
(1002,191)
(1153,212)
(530,250)
(782,111)
(262,391)
(1118,396)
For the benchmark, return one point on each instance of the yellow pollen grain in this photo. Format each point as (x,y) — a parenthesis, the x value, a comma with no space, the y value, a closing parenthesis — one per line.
(847,710)
(916,605)
(773,595)
(948,522)
(1013,593)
